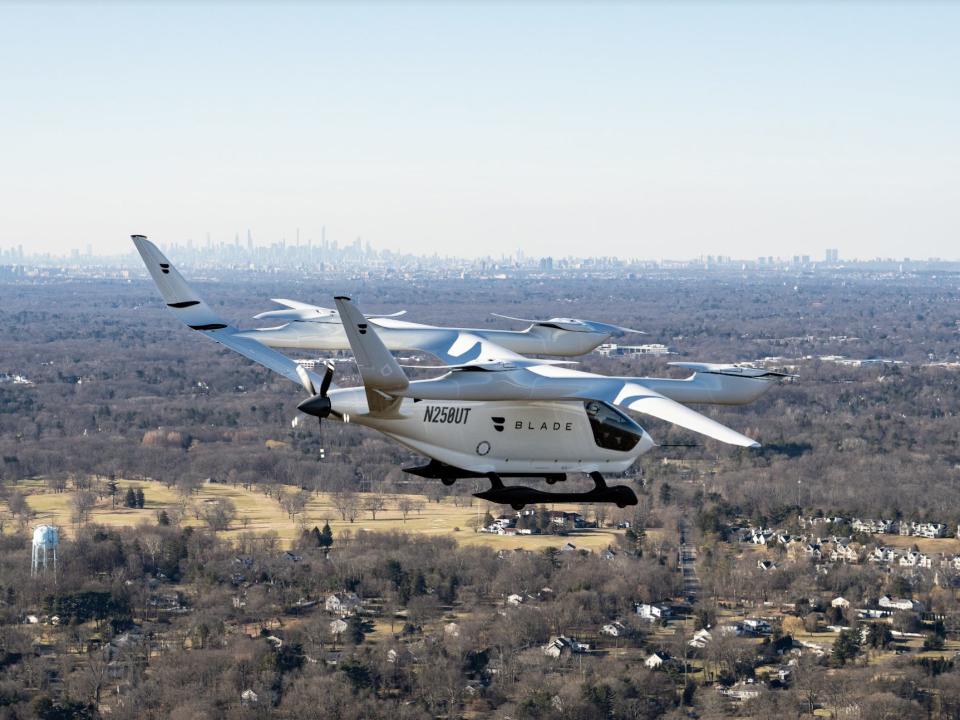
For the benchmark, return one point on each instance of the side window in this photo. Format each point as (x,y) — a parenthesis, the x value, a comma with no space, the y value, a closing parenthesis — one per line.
(612,430)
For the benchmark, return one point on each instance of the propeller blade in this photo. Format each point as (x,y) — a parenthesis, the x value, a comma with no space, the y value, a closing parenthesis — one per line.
(306,381)
(327,378)
(510,317)
(620,330)
(575,325)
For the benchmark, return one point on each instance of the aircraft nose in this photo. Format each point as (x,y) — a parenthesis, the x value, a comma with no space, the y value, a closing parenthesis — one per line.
(646,443)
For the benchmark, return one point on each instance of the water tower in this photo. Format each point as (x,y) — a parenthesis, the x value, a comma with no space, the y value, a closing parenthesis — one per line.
(45,541)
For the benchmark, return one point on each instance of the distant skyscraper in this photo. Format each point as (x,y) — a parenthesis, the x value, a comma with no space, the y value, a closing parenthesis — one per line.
(833,256)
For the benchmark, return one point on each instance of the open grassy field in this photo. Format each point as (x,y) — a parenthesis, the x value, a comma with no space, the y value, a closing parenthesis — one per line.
(258,513)
(929,546)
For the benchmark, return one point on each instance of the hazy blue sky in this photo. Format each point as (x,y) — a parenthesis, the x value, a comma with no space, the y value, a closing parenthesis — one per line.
(645,130)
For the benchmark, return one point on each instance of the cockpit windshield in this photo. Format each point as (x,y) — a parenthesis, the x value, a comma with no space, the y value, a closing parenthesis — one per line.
(612,429)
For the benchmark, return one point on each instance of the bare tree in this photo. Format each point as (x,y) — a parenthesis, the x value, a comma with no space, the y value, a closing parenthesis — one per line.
(294,504)
(346,504)
(219,514)
(405,506)
(374,504)
(18,506)
(81,504)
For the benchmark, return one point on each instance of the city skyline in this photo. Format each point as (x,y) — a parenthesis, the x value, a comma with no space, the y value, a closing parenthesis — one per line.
(648,131)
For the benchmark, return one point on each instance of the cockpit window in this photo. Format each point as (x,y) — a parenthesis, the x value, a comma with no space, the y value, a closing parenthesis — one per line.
(612,430)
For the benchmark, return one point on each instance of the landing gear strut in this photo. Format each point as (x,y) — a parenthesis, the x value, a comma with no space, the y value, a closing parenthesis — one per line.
(518,497)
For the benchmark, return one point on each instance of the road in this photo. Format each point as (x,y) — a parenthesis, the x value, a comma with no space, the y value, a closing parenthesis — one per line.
(688,565)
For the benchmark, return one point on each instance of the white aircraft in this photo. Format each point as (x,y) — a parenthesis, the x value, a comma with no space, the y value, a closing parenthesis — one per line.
(494,413)
(319,328)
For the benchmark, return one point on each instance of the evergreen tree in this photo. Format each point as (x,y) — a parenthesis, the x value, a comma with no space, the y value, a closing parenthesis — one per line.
(315,537)
(130,499)
(666,494)
(138,497)
(163,518)
(356,629)
(326,536)
(420,584)
(879,635)
(846,647)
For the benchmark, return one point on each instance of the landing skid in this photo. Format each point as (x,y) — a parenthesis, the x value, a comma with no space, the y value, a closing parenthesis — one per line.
(448,474)
(518,497)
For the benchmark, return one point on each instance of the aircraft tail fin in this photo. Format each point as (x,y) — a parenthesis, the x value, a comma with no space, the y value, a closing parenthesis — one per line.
(177,294)
(186,304)
(379,370)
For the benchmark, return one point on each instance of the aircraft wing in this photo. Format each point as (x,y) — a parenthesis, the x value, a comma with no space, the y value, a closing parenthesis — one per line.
(632,395)
(197,315)
(645,401)
(552,383)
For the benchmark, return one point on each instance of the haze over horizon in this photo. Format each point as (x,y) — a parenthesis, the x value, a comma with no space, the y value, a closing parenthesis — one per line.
(644,131)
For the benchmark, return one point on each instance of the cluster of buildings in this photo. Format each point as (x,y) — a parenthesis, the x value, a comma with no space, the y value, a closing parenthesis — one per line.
(881,527)
(14,378)
(524,522)
(612,349)
(840,549)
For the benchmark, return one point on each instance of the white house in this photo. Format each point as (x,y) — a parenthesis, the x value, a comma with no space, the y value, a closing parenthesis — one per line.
(652,612)
(890,603)
(614,629)
(656,659)
(883,555)
(916,559)
(745,690)
(843,552)
(343,603)
(840,602)
(757,626)
(560,645)
(923,529)
(700,638)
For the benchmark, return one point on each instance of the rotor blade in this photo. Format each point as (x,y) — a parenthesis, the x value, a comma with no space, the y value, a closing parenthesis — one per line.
(306,381)
(576,325)
(506,364)
(327,378)
(619,329)
(747,371)
(510,317)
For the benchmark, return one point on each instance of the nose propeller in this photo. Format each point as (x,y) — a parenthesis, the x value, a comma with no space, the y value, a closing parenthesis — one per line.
(318,404)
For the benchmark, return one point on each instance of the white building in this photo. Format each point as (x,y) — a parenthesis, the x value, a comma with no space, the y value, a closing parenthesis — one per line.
(891,603)
(608,349)
(343,603)
(652,612)
(656,659)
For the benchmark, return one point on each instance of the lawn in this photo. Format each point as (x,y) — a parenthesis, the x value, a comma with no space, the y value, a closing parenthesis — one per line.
(258,513)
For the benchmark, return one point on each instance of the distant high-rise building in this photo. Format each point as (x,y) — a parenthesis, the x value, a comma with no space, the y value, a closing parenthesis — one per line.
(833,256)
